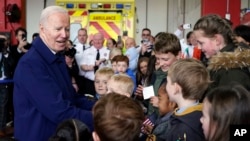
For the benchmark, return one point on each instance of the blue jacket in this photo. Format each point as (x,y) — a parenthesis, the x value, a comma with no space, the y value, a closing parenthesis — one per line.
(161,128)
(44,96)
(130,73)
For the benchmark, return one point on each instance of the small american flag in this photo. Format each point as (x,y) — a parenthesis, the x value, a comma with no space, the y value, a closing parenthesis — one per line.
(147,121)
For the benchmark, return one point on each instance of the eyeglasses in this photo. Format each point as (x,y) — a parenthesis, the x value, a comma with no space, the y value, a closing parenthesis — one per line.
(145,34)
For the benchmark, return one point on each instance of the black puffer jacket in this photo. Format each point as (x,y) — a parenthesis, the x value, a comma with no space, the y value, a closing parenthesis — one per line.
(230,65)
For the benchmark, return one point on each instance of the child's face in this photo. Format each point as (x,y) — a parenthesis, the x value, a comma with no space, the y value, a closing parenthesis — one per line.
(207,45)
(165,60)
(164,103)
(143,67)
(170,88)
(101,84)
(114,66)
(205,119)
(121,67)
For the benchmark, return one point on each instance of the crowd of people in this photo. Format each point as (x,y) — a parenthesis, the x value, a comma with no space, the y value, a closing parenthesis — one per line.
(91,91)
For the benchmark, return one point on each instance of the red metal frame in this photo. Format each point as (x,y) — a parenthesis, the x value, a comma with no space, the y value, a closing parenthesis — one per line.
(5,25)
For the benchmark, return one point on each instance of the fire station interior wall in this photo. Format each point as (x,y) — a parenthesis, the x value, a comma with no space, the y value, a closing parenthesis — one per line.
(8,25)
(225,8)
(166,15)
(34,8)
(245,4)
(163,15)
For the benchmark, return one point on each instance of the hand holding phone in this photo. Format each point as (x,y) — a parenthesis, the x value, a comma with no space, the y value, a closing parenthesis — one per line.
(186,26)
(24,37)
(145,41)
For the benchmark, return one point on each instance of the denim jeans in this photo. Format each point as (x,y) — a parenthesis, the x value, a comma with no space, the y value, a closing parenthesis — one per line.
(4,96)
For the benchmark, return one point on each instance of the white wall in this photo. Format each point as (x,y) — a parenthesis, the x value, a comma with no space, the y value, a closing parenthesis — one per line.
(151,14)
(244,4)
(166,15)
(33,11)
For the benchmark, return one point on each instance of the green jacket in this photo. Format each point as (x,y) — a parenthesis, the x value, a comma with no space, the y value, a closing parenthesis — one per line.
(158,78)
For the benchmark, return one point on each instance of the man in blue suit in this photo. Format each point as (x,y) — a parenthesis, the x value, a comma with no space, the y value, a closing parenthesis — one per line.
(43,93)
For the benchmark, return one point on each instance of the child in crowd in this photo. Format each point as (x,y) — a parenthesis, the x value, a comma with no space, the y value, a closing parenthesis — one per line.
(187,81)
(122,63)
(117,118)
(102,76)
(71,130)
(147,78)
(122,84)
(167,51)
(223,107)
(113,64)
(228,62)
(141,74)
(166,108)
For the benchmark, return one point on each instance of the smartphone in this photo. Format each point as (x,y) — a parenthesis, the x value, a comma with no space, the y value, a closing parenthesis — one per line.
(24,37)
(145,41)
(119,38)
(186,26)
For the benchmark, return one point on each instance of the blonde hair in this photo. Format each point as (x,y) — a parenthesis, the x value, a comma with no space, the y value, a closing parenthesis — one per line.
(192,76)
(105,71)
(125,83)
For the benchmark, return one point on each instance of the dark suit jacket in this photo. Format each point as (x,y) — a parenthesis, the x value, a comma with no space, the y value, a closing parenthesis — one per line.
(16,55)
(44,95)
(8,65)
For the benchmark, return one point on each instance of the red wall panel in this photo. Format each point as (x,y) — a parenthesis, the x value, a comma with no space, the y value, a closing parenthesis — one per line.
(220,7)
(5,25)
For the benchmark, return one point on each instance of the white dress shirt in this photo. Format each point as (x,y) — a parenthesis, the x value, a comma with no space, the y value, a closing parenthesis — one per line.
(89,58)
(79,56)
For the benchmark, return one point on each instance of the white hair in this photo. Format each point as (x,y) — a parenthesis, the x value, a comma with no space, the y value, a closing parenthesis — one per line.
(50,10)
